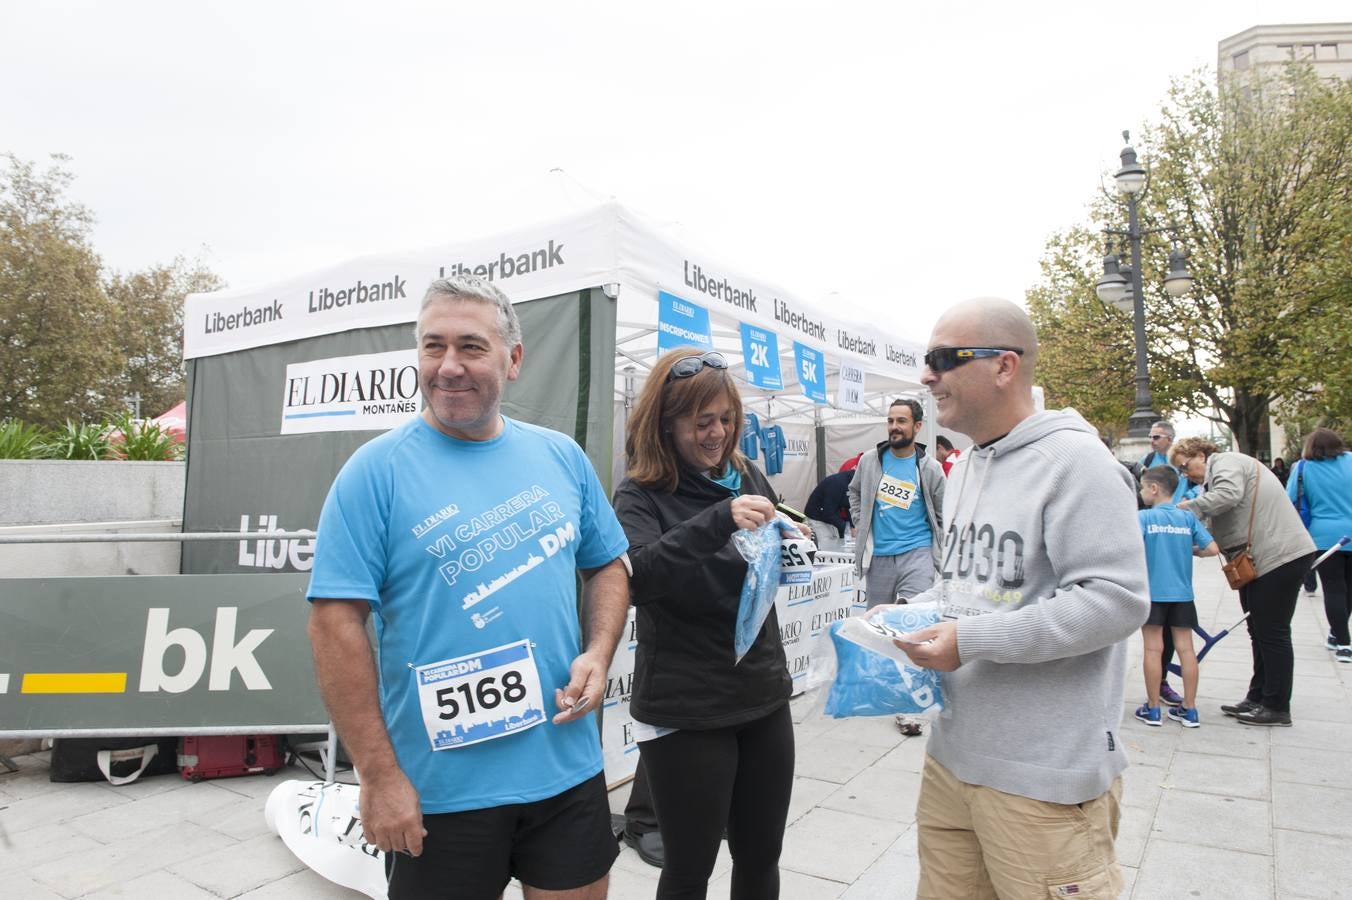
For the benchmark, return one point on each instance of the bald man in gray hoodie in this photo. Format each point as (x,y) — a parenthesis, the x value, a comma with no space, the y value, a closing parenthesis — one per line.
(1042,580)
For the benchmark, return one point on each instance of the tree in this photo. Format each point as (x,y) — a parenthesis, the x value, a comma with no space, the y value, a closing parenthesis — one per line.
(55,318)
(1087,356)
(1258,177)
(74,344)
(150,336)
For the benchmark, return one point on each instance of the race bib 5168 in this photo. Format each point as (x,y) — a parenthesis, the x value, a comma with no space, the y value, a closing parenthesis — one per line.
(480,696)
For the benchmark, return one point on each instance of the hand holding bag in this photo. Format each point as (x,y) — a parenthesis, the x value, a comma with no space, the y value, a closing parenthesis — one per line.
(1240,570)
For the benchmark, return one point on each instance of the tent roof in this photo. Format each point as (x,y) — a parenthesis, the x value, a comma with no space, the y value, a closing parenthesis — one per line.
(597,244)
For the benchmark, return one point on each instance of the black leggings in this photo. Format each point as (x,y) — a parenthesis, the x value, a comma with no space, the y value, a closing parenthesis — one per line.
(738,777)
(1270,601)
(1335,573)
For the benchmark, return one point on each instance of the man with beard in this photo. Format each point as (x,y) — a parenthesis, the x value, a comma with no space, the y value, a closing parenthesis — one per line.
(462,533)
(896,498)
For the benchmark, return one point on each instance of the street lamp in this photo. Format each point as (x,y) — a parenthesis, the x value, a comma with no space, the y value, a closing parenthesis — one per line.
(1120,285)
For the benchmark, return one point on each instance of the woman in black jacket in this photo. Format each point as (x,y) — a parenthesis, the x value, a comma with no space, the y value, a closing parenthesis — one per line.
(715,736)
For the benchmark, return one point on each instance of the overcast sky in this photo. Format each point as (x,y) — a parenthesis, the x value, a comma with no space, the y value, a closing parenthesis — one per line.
(899,156)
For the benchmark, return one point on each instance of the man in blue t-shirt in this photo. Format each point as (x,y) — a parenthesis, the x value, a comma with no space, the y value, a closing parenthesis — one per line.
(1172,538)
(463,532)
(896,497)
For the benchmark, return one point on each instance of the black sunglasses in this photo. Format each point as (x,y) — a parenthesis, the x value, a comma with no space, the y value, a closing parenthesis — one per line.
(942,359)
(687,366)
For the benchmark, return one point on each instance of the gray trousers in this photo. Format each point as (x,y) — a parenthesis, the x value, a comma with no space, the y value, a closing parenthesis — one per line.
(893,579)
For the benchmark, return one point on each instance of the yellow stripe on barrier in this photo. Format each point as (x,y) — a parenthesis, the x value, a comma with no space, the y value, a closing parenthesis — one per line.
(74,683)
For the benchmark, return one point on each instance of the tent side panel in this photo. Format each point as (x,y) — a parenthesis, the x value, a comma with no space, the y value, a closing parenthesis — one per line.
(244,475)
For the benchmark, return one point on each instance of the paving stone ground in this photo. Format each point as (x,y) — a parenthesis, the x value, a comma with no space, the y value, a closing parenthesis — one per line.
(1224,811)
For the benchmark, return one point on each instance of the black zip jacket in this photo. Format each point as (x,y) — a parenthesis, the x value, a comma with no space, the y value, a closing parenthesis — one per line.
(686,586)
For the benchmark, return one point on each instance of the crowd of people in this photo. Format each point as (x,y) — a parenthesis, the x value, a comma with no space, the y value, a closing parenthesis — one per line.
(462,535)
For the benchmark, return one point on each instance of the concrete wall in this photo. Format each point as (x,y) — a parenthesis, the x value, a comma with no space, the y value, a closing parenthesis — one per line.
(53,496)
(51,491)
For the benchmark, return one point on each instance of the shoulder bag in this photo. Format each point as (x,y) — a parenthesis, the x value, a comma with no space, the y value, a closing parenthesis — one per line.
(1302,501)
(1240,570)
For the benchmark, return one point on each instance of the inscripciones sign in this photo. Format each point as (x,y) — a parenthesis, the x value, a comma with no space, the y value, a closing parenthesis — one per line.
(681,323)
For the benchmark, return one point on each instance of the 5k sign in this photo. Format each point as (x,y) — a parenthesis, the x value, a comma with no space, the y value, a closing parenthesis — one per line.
(186,652)
(811,372)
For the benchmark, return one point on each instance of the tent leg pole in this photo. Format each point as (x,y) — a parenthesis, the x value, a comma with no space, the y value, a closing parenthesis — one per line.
(819,432)
(331,755)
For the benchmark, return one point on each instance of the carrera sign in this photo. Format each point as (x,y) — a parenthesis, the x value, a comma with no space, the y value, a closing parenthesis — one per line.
(372,392)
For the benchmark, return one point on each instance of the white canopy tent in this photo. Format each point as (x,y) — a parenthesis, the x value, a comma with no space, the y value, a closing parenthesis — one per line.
(596,245)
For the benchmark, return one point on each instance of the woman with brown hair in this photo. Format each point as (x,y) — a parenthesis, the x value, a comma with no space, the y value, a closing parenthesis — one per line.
(1245,507)
(715,736)
(1323,479)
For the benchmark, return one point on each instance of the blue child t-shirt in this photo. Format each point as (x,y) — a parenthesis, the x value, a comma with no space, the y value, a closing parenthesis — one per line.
(467,553)
(1170,534)
(899,520)
(751,433)
(773,439)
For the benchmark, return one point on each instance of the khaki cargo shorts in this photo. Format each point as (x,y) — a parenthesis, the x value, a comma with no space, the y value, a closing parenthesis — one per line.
(977,843)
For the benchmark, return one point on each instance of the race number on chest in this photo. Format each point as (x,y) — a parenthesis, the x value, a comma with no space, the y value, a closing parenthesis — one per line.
(896,492)
(480,696)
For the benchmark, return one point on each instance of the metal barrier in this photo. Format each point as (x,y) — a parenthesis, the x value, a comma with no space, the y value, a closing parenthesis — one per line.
(207,649)
(833,557)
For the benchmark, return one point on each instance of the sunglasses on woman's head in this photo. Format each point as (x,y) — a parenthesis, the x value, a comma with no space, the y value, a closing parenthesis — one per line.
(687,366)
(943,359)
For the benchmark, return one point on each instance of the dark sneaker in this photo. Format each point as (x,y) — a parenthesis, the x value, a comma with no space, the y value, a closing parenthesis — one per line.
(1150,715)
(1330,642)
(1264,716)
(1343,654)
(1169,695)
(648,846)
(1184,716)
(1243,706)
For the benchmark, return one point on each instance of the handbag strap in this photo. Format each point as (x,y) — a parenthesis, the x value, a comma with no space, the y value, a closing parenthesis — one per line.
(1248,541)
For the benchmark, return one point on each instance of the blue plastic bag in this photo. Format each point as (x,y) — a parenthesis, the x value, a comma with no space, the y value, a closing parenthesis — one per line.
(873,683)
(760,548)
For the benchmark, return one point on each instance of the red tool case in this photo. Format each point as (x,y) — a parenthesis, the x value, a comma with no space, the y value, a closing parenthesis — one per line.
(227,756)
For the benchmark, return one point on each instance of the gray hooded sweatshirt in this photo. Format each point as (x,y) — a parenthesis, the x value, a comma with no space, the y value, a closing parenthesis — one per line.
(1044,569)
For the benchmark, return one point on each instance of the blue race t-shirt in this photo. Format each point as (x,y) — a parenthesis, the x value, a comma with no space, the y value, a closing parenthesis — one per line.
(773,438)
(899,520)
(467,553)
(1170,534)
(1156,458)
(751,433)
(1328,488)
(1186,490)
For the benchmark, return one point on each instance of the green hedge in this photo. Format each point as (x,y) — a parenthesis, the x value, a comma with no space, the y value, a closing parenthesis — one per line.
(119,437)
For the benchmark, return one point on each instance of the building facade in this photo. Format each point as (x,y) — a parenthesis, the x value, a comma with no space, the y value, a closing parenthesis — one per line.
(1327,47)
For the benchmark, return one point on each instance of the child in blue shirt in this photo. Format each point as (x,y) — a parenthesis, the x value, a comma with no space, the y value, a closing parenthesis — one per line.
(1172,537)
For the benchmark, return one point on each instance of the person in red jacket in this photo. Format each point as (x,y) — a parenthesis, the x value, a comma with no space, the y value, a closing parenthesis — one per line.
(945,452)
